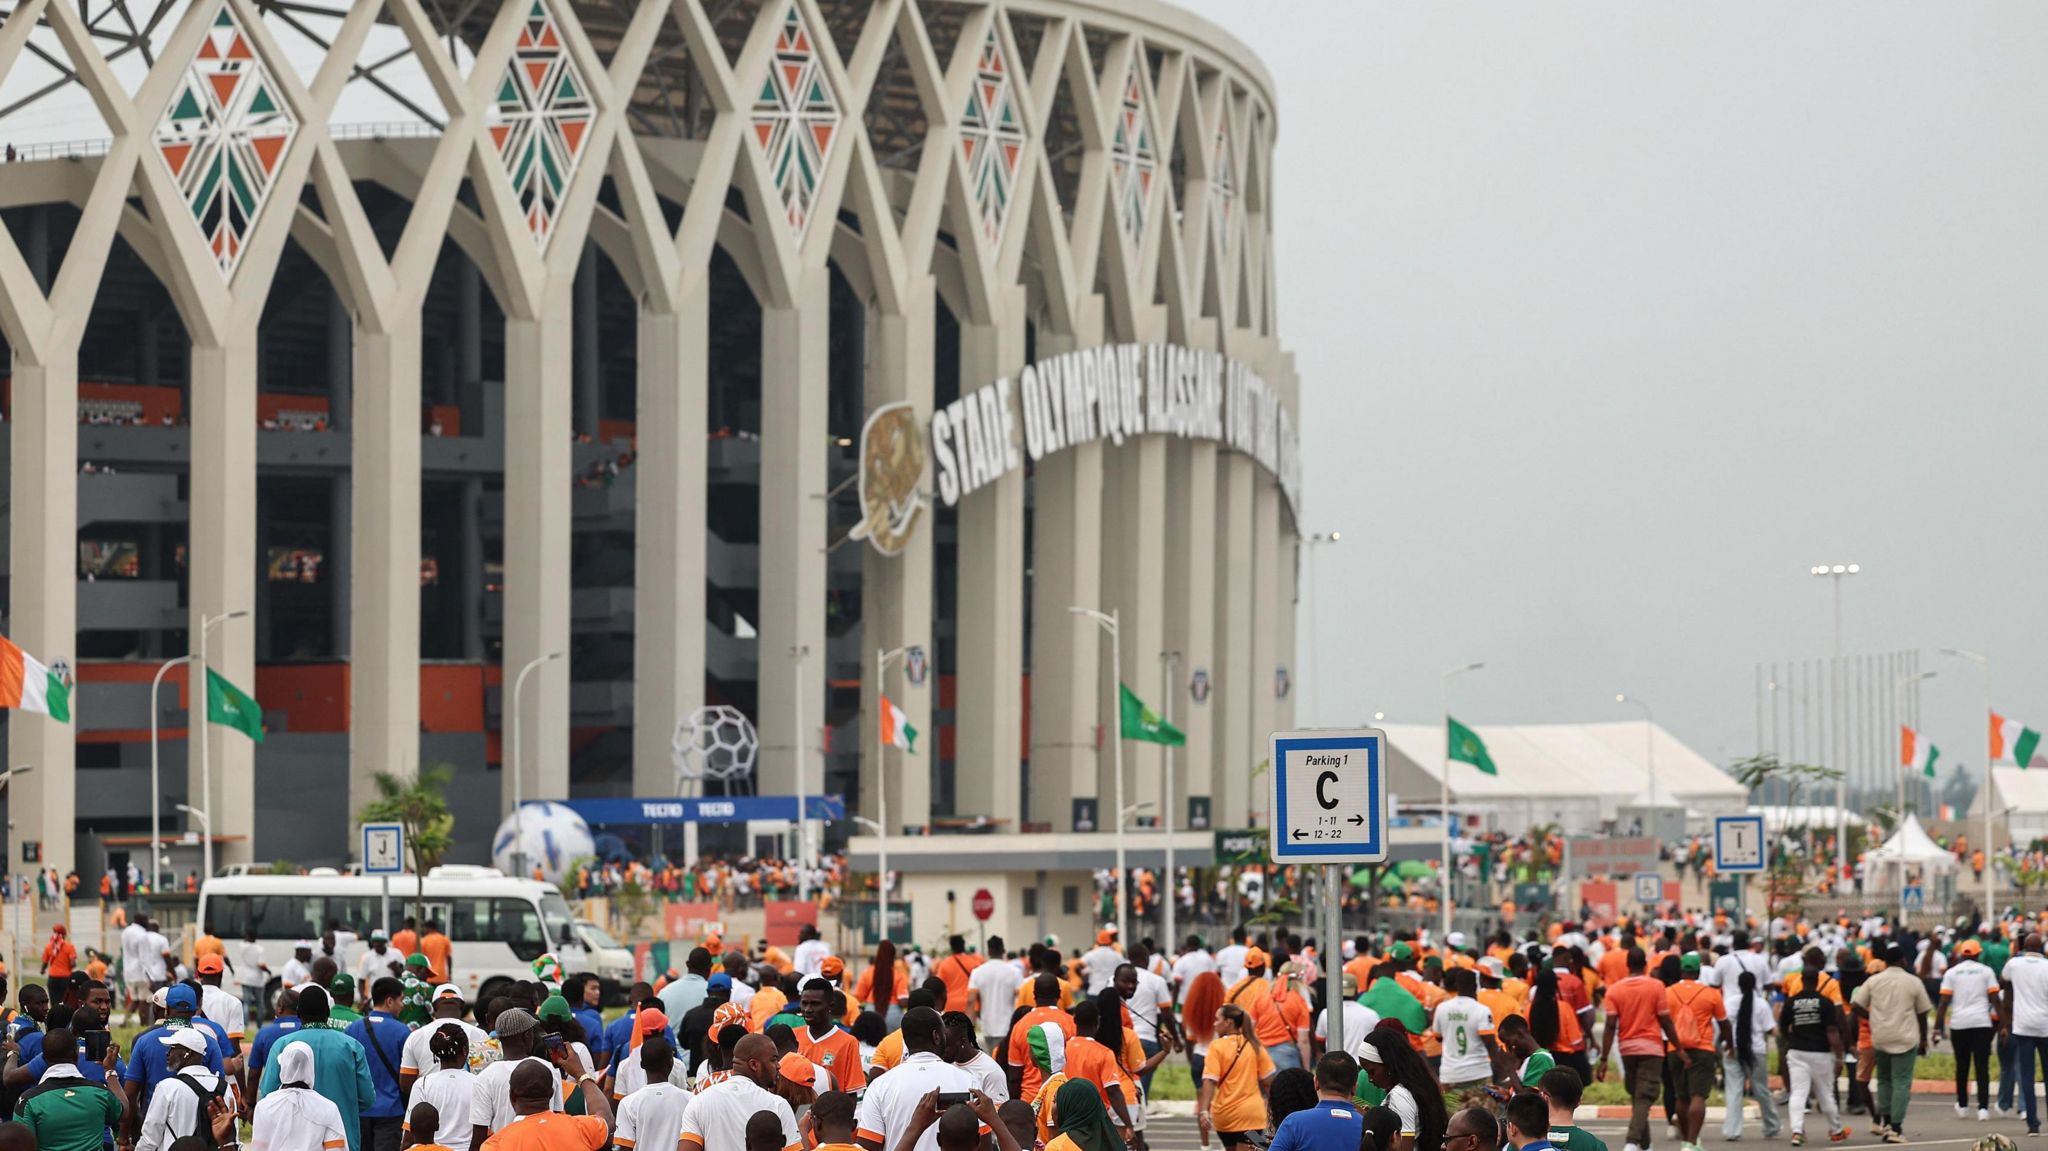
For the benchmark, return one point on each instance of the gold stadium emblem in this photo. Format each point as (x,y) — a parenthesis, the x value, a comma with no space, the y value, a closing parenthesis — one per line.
(891,472)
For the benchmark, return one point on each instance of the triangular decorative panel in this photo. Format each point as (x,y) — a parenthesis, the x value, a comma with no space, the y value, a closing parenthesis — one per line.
(796,118)
(541,115)
(222,137)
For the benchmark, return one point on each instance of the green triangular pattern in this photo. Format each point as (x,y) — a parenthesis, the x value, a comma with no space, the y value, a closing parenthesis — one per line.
(567,90)
(262,103)
(188,106)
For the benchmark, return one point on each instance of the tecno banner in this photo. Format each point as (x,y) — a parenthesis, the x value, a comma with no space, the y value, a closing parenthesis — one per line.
(1112,393)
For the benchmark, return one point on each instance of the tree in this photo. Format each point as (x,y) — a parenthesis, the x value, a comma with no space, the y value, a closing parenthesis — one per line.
(2023,877)
(418,804)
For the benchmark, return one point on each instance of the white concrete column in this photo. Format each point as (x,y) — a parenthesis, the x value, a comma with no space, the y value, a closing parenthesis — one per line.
(1234,676)
(1189,614)
(384,599)
(1066,564)
(537,523)
(42,597)
(988,697)
(794,385)
(1266,596)
(669,533)
(222,537)
(1286,606)
(896,591)
(1133,577)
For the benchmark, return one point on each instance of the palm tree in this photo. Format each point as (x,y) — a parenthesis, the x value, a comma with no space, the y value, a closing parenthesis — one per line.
(419,804)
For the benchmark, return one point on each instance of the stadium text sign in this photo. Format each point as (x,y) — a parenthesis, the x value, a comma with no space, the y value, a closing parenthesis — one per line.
(1111,392)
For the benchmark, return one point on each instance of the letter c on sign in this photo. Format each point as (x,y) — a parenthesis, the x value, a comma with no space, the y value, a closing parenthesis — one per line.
(1323,780)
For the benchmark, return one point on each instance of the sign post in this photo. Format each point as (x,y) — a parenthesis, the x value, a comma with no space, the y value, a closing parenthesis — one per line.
(1328,805)
(1739,851)
(1649,888)
(384,857)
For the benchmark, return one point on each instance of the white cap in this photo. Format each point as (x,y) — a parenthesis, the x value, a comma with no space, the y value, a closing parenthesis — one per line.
(447,991)
(185,1037)
(161,997)
(1455,939)
(304,945)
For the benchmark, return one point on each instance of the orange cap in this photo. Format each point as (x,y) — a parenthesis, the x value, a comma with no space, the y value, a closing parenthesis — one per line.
(210,965)
(832,967)
(1255,957)
(651,1021)
(798,1070)
(1105,937)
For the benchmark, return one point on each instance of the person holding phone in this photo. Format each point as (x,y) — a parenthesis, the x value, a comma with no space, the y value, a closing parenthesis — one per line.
(887,1107)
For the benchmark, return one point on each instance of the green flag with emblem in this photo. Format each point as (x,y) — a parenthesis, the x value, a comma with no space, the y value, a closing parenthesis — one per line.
(1142,723)
(228,706)
(1466,746)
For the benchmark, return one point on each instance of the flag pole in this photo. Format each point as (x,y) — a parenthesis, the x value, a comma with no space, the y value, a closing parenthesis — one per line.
(1168,661)
(1444,794)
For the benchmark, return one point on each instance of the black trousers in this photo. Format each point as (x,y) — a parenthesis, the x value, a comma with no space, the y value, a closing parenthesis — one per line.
(380,1134)
(1973,1043)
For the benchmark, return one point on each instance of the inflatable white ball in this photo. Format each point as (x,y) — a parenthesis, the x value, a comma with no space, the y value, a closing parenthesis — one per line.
(550,836)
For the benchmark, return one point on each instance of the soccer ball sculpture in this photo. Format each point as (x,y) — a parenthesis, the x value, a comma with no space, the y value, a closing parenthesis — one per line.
(716,742)
(551,837)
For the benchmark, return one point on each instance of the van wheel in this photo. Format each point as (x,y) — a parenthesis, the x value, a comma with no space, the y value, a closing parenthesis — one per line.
(491,989)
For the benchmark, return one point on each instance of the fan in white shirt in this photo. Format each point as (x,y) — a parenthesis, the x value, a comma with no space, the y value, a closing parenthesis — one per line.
(653,1114)
(378,961)
(449,1084)
(1192,962)
(811,951)
(417,1056)
(995,984)
(962,1051)
(295,1117)
(1230,960)
(886,1107)
(717,1118)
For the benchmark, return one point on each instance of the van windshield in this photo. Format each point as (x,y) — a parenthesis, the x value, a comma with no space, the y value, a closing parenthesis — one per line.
(554,911)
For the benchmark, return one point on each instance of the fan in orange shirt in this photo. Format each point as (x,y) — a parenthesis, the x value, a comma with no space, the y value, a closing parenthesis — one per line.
(954,969)
(1090,1059)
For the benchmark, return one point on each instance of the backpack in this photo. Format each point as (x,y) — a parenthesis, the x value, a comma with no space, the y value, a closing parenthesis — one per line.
(218,1124)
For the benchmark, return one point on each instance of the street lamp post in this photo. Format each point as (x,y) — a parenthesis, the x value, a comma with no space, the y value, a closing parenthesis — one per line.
(1836,573)
(1444,788)
(1649,750)
(1990,870)
(156,832)
(518,767)
(1169,663)
(881,823)
(1108,623)
(205,690)
(799,652)
(1315,647)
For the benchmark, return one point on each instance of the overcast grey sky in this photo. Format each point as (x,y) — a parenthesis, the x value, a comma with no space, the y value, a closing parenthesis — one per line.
(1614,318)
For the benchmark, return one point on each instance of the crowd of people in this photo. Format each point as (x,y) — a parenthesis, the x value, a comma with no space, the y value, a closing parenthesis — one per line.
(1452,1044)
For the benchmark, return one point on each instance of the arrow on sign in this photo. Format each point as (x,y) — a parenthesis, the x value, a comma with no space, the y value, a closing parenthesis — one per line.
(1358,821)
(1299,834)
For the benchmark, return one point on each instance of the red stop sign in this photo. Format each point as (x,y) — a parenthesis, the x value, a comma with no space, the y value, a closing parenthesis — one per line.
(984,904)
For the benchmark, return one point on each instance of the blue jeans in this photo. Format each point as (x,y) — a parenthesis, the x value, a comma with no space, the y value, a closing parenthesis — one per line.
(2025,1050)
(1285,1055)
(252,1004)
(1151,1048)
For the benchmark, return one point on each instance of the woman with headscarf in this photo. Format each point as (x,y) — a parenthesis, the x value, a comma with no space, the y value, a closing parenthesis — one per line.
(295,1117)
(1082,1120)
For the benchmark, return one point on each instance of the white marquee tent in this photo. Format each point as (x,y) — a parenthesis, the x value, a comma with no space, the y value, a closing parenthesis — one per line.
(1573,774)
(1909,849)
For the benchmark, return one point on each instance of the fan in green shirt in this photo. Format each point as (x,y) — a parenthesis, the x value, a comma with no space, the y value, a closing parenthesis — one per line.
(66,1111)
(1561,1090)
(1520,1043)
(341,1015)
(1390,1000)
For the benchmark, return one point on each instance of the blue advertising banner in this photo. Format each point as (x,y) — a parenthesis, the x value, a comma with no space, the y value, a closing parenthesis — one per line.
(709,809)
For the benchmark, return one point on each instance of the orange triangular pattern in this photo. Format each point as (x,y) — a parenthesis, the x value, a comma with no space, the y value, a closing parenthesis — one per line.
(498,134)
(822,133)
(218,237)
(239,50)
(535,69)
(268,148)
(175,155)
(967,148)
(208,50)
(791,73)
(525,38)
(548,39)
(1010,155)
(224,85)
(764,129)
(572,134)
(803,42)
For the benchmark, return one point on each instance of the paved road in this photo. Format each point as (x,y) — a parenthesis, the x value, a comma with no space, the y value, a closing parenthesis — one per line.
(1931,1122)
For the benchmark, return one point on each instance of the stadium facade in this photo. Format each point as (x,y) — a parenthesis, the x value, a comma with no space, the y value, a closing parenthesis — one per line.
(715,344)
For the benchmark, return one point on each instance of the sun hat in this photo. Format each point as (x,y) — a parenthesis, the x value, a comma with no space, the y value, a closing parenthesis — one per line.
(515,1021)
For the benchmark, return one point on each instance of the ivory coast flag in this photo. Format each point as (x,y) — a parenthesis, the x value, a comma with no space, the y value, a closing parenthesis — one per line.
(26,685)
(2013,738)
(1916,750)
(896,729)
